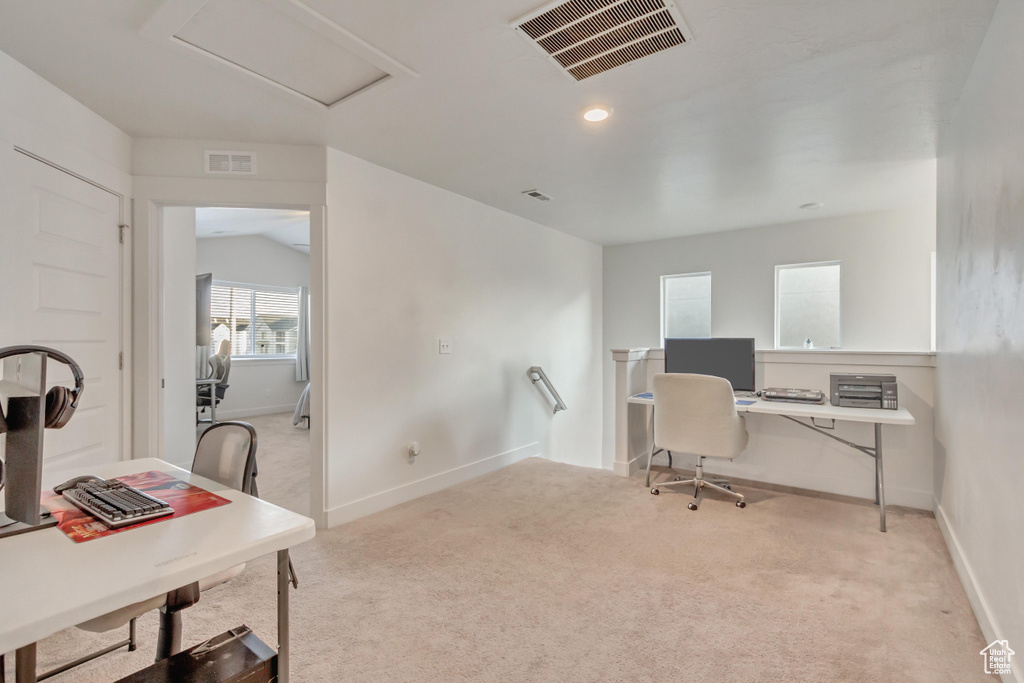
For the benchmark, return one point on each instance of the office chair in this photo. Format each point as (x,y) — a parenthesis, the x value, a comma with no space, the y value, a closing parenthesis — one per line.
(696,414)
(226,453)
(220,363)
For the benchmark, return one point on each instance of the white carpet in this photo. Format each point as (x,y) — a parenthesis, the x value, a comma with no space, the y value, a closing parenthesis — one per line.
(548,572)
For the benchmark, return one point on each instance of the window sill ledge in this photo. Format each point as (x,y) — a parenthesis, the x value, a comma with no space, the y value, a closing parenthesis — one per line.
(250,360)
(846,357)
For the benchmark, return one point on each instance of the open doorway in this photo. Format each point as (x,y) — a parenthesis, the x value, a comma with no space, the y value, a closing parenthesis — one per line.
(235,337)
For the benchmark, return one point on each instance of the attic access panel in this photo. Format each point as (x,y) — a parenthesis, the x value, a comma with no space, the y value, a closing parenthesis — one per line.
(285,45)
(584,38)
(256,36)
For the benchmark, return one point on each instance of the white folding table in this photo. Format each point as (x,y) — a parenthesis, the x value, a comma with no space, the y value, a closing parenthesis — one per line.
(794,411)
(51,583)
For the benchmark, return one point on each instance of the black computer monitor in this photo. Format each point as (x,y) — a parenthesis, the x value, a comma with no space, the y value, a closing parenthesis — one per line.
(731,358)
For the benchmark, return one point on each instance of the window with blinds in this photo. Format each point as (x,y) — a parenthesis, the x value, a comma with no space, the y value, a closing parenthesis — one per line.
(259,321)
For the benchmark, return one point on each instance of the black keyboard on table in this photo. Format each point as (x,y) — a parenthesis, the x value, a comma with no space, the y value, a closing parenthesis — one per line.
(116,504)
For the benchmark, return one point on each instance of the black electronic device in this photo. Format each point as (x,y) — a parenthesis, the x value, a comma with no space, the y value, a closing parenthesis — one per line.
(236,656)
(29,408)
(810,396)
(112,502)
(61,402)
(72,483)
(727,357)
(864,391)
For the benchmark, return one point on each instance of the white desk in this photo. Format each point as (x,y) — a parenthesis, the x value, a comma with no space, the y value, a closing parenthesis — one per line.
(793,411)
(51,583)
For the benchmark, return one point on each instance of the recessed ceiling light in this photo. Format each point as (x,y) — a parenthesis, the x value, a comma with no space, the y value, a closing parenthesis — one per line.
(812,205)
(597,114)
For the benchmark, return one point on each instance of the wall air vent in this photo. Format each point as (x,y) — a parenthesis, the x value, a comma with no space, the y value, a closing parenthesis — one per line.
(538,195)
(586,37)
(230,163)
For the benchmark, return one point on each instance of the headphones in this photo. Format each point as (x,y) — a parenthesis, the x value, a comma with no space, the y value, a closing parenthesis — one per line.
(60,401)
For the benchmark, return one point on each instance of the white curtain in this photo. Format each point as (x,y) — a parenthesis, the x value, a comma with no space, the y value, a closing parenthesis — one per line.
(302,352)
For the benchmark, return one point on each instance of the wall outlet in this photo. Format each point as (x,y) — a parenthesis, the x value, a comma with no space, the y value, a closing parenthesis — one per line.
(444,345)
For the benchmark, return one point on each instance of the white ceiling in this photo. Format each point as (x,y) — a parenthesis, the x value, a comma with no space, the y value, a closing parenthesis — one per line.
(287,227)
(773,105)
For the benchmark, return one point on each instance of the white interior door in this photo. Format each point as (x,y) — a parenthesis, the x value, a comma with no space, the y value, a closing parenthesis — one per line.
(60,286)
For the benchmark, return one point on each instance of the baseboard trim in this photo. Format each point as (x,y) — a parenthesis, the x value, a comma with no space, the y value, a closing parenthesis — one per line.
(422,487)
(978,603)
(797,482)
(628,469)
(252,412)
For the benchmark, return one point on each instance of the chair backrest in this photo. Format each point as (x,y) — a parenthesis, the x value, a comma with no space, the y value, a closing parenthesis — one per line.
(220,362)
(226,453)
(696,414)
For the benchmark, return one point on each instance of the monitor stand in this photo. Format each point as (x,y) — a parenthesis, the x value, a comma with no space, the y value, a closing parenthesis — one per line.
(12,527)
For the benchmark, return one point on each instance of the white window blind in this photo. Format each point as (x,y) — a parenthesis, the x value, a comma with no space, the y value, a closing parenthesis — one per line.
(807,305)
(686,305)
(259,321)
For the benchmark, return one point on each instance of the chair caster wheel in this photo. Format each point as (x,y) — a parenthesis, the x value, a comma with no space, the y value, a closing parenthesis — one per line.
(655,492)
(691,506)
(740,504)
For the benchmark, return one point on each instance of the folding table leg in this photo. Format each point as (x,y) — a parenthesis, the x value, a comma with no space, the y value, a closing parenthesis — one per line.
(282,615)
(25,664)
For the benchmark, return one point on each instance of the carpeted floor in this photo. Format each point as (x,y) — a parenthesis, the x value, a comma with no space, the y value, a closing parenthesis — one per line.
(282,451)
(548,572)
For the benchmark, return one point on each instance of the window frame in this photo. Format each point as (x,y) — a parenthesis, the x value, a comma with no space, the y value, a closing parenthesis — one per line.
(253,288)
(778,310)
(664,299)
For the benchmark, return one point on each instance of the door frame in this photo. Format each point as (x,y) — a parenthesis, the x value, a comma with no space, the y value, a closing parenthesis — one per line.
(151,195)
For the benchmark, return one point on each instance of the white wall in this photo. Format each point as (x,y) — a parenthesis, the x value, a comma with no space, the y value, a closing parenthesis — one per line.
(178,309)
(886,288)
(979,466)
(263,386)
(410,263)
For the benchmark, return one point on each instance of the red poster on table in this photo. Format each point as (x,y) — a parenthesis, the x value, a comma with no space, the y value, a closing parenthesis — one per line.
(184,499)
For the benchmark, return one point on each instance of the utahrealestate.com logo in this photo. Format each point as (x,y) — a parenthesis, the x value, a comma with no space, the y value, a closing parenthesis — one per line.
(997,657)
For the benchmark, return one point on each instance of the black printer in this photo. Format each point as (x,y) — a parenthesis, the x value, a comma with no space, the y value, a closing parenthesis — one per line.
(864,391)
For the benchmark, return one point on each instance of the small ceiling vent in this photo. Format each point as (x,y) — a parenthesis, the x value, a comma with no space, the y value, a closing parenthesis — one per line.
(232,163)
(538,195)
(586,37)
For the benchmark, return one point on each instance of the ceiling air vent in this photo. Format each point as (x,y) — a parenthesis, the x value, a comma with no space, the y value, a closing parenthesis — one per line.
(538,195)
(233,163)
(587,37)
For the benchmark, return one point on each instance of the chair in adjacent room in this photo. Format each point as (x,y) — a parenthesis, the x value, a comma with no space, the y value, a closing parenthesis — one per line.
(226,453)
(696,414)
(208,396)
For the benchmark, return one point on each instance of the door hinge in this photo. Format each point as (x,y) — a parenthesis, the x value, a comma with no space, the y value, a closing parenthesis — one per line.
(122,229)
(120,360)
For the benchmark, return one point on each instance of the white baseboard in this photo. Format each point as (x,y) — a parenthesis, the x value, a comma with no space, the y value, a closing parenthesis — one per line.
(432,484)
(978,603)
(628,469)
(251,412)
(894,495)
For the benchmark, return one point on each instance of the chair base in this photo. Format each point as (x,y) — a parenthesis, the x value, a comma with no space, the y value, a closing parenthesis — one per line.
(698,493)
(699,483)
